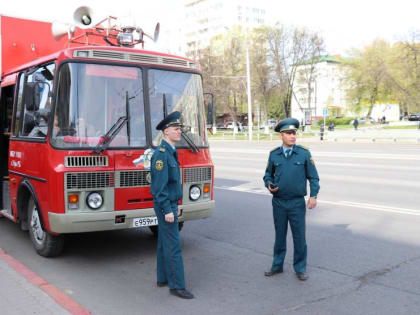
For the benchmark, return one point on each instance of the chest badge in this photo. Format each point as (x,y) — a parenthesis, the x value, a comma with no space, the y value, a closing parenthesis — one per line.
(159,165)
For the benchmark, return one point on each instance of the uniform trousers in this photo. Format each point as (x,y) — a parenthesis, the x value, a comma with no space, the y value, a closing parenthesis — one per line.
(170,267)
(290,211)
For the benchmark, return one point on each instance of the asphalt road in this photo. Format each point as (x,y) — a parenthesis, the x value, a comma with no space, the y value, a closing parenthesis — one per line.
(363,243)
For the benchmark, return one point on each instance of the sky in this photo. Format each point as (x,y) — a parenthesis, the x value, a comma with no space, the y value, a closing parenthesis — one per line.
(351,24)
(343,24)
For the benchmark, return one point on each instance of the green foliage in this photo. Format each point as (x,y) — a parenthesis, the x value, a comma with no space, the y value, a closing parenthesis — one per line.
(275,107)
(336,121)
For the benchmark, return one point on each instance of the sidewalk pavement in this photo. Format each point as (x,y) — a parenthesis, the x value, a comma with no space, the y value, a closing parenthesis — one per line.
(23,292)
(363,135)
(367,135)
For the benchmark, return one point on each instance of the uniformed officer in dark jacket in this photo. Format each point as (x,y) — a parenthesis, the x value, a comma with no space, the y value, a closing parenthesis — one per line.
(166,190)
(288,170)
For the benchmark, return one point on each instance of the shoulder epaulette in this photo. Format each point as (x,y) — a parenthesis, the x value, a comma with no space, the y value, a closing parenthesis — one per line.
(275,149)
(162,149)
(303,147)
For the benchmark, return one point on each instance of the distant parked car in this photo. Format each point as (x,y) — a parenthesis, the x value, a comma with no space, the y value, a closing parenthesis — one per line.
(230,125)
(272,123)
(414,117)
(362,120)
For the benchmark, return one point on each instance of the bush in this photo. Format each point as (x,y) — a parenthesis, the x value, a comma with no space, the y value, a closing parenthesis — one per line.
(336,121)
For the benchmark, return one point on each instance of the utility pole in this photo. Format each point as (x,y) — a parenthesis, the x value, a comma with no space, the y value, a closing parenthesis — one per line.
(248,83)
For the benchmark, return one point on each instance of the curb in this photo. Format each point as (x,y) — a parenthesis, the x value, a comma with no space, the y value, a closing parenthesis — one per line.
(59,297)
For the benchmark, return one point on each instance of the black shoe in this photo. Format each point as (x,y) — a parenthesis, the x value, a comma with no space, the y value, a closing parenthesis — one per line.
(272,272)
(161,284)
(182,293)
(302,276)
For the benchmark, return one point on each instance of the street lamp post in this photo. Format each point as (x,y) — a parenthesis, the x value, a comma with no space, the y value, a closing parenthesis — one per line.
(248,84)
(248,81)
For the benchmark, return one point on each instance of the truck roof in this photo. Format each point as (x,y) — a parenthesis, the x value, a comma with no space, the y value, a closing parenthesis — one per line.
(24,41)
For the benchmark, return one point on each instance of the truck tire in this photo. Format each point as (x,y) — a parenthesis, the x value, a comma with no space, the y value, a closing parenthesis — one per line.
(154,228)
(45,244)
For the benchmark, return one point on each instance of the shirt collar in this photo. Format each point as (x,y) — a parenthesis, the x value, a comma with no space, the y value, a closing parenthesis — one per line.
(168,145)
(284,149)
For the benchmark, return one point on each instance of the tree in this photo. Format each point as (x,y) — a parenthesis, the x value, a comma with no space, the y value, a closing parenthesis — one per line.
(263,82)
(223,65)
(367,75)
(290,47)
(404,72)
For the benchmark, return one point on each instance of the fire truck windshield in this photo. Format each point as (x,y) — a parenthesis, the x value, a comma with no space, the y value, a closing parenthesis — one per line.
(92,97)
(178,91)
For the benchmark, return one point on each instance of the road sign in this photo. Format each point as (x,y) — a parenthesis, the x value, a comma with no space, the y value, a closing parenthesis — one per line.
(325,112)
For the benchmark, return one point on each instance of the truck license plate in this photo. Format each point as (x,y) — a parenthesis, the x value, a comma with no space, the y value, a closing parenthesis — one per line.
(147,221)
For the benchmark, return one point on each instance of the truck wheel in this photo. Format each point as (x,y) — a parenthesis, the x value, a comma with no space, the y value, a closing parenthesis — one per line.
(154,228)
(46,245)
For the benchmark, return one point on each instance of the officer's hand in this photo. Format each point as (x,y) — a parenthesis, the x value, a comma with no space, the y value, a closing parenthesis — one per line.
(311,203)
(272,189)
(169,217)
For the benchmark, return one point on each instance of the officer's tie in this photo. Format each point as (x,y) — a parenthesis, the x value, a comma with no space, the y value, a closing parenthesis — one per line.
(287,152)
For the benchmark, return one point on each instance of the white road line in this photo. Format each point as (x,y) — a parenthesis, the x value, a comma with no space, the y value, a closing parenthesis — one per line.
(373,207)
(352,165)
(244,172)
(352,204)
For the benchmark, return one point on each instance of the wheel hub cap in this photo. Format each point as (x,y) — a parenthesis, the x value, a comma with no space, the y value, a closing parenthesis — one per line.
(36,226)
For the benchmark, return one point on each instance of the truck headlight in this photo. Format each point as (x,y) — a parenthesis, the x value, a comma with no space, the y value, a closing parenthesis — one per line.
(195,193)
(94,200)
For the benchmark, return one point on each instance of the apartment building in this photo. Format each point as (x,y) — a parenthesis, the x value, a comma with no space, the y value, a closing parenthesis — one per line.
(319,90)
(204,19)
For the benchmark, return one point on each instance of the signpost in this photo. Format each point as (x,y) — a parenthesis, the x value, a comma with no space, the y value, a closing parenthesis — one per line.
(325,114)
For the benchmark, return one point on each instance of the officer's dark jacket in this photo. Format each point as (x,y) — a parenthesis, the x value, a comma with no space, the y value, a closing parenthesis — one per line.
(166,180)
(290,174)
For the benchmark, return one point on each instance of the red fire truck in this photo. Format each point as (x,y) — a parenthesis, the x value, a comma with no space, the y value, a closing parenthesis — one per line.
(78,111)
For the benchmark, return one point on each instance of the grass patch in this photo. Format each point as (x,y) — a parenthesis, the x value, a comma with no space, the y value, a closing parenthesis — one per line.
(401,127)
(229,135)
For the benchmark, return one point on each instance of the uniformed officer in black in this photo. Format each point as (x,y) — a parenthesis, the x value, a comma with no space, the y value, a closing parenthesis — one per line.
(166,190)
(288,170)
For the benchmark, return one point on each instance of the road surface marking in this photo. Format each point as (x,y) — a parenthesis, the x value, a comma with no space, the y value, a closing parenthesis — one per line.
(369,206)
(335,154)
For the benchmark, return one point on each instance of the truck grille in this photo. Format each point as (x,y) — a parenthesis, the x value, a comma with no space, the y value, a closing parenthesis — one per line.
(143,58)
(89,180)
(108,54)
(198,174)
(86,161)
(137,57)
(175,62)
(133,178)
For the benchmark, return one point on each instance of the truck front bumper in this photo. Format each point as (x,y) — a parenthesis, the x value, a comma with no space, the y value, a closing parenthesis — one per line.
(105,221)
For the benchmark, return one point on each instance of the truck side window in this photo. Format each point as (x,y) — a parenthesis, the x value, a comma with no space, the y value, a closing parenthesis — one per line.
(37,94)
(16,123)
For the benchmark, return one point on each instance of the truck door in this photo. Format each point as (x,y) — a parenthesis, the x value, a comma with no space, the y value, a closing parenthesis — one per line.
(6,109)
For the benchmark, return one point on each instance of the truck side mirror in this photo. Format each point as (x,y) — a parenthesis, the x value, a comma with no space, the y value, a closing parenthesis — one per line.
(209,101)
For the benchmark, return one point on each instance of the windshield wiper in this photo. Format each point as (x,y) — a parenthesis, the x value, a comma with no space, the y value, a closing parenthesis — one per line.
(127,115)
(187,139)
(191,143)
(110,135)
